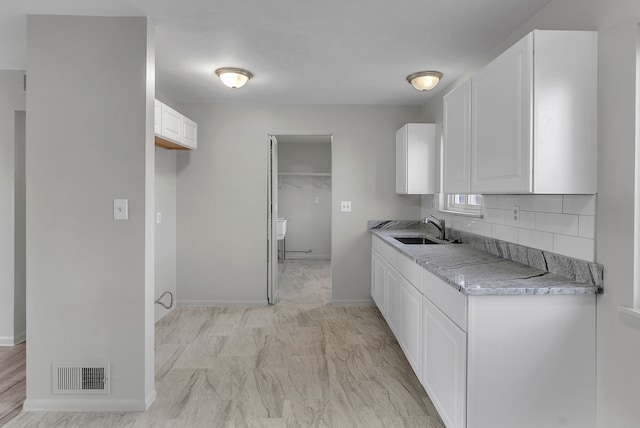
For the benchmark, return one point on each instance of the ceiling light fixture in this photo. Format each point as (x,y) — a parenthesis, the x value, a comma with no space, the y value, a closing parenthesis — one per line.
(232,77)
(424,80)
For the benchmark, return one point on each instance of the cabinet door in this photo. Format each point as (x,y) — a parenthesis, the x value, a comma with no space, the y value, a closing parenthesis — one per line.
(378,277)
(401,160)
(374,279)
(392,284)
(410,324)
(501,137)
(171,124)
(457,139)
(444,365)
(189,133)
(157,117)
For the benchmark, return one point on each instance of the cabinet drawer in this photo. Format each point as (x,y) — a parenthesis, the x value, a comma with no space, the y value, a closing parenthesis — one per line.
(446,298)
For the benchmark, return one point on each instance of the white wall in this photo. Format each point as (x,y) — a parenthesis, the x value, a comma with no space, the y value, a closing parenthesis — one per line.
(12,100)
(20,237)
(309,224)
(90,140)
(304,157)
(222,225)
(166,183)
(165,242)
(618,335)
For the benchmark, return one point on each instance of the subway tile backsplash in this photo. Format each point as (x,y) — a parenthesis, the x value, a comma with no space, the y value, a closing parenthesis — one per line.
(562,224)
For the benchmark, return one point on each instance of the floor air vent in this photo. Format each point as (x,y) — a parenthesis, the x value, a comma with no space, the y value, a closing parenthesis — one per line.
(72,379)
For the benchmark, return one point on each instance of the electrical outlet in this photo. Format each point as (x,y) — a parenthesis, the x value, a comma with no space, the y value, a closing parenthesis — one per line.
(159,218)
(516,214)
(316,200)
(345,206)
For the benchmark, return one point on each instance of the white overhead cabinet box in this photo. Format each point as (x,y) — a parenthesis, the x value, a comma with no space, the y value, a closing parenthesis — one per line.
(527,120)
(415,159)
(173,130)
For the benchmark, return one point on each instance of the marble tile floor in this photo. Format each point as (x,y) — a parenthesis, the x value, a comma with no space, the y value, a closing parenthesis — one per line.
(300,363)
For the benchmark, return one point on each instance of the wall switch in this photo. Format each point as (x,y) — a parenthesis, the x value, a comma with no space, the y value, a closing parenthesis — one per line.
(158,218)
(316,200)
(345,206)
(516,214)
(121,209)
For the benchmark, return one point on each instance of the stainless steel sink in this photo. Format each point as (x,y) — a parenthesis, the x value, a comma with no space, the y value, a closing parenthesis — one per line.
(415,240)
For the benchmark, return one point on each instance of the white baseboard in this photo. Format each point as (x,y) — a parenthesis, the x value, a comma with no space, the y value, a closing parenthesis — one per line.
(222,302)
(13,340)
(7,341)
(87,405)
(365,302)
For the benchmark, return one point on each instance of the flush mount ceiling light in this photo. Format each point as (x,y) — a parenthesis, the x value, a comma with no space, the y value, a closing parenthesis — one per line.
(232,77)
(424,80)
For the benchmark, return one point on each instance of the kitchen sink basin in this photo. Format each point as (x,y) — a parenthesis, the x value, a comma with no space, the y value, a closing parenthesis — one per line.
(415,240)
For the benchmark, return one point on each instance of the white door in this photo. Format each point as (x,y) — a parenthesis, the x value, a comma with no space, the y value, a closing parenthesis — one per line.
(272,221)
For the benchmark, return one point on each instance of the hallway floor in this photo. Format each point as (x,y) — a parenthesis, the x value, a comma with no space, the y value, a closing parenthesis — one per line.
(13,361)
(300,363)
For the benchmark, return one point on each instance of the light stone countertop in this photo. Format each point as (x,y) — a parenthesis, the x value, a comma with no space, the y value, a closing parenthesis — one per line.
(475,272)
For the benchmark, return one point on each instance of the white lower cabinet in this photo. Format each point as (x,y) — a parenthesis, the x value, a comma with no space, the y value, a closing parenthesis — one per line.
(391,287)
(410,323)
(375,281)
(444,364)
(494,361)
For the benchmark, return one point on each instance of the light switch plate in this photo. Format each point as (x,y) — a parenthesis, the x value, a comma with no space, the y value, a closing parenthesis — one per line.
(345,206)
(121,209)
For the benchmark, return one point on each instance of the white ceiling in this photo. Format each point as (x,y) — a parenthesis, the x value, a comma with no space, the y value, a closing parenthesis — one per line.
(300,51)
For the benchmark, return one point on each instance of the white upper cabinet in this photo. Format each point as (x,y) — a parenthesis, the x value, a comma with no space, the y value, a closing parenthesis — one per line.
(189,133)
(457,140)
(415,159)
(173,130)
(501,148)
(532,126)
(171,124)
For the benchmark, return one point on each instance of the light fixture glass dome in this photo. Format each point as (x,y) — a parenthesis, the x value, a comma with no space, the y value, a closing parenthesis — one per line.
(233,77)
(424,80)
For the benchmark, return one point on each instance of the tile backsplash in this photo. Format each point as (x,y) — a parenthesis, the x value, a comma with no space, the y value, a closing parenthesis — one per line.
(562,224)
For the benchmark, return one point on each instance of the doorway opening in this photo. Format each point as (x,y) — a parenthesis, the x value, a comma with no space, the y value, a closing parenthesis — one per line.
(302,184)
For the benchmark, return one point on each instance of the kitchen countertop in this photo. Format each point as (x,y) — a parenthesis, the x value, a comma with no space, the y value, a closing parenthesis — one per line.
(475,272)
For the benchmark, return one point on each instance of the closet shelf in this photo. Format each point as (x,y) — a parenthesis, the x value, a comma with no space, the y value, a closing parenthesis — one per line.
(306,174)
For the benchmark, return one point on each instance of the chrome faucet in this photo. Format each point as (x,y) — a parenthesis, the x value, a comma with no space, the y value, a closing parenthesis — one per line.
(438,223)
